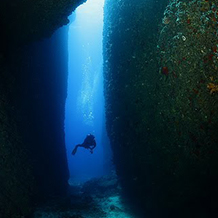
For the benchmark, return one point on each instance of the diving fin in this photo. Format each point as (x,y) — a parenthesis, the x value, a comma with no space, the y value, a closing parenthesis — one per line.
(74,151)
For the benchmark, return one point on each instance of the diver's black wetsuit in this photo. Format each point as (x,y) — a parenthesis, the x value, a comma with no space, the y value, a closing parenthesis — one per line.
(89,143)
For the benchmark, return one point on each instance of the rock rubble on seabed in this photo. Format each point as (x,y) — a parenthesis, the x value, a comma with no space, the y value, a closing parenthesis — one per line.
(96,198)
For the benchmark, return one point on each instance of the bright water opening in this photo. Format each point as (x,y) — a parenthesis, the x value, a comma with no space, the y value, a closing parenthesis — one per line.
(85,101)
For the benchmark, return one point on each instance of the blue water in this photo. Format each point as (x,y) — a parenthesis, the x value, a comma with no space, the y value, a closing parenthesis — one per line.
(85,102)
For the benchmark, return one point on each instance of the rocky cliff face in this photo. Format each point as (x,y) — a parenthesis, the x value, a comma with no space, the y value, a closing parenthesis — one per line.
(25,21)
(32,99)
(161,104)
(33,91)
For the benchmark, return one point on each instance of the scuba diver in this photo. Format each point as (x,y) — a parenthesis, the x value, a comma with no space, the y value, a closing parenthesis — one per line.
(89,143)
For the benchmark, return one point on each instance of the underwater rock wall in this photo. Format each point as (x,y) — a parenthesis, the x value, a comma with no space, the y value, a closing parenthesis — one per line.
(32,99)
(15,176)
(160,65)
(25,21)
(188,86)
(32,151)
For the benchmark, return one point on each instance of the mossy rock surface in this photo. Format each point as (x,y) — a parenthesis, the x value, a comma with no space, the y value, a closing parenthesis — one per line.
(161,102)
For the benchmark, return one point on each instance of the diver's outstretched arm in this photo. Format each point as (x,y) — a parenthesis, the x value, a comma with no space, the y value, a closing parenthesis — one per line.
(75,149)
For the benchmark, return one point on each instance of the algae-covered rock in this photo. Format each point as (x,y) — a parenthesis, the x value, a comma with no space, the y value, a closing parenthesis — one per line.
(161,103)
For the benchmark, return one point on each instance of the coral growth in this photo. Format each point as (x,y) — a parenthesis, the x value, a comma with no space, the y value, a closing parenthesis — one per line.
(166,20)
(212,87)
